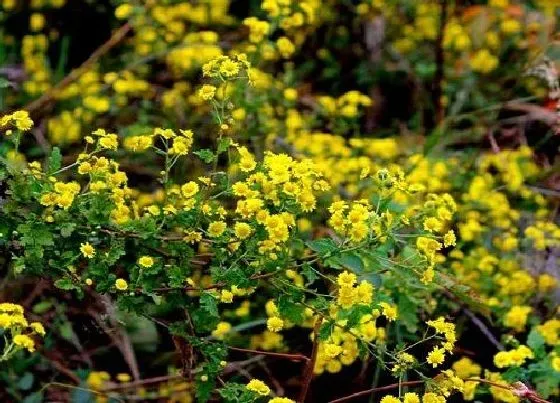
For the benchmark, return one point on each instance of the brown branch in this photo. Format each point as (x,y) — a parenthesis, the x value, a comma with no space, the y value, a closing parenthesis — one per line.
(309,368)
(120,337)
(62,369)
(142,382)
(379,389)
(519,390)
(484,329)
(211,286)
(48,96)
(292,357)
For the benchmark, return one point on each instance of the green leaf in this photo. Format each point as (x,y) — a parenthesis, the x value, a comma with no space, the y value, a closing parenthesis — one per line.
(323,247)
(537,343)
(42,307)
(223,145)
(67,228)
(64,284)
(326,330)
(55,161)
(310,274)
(205,155)
(346,260)
(209,304)
(26,381)
(291,310)
(407,309)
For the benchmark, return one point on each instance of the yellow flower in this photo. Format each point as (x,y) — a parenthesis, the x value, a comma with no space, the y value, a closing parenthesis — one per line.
(123,377)
(431,397)
(258,387)
(516,317)
(121,284)
(346,279)
(87,250)
(36,22)
(274,324)
(226,296)
(436,357)
(216,228)
(285,47)
(411,397)
(483,61)
(24,341)
(390,399)
(37,328)
(221,330)
(146,261)
(229,68)
(123,11)
(281,400)
(242,230)
(332,350)
(432,224)
(207,92)
(556,364)
(389,311)
(449,239)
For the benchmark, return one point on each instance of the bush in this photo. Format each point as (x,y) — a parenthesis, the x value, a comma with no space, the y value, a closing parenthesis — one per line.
(186,212)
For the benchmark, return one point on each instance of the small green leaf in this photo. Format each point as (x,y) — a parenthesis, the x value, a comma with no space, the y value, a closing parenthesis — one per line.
(64,284)
(42,307)
(323,247)
(205,155)
(536,342)
(223,144)
(55,161)
(26,381)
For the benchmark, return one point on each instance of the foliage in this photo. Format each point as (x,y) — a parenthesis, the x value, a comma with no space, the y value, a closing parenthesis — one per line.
(192,183)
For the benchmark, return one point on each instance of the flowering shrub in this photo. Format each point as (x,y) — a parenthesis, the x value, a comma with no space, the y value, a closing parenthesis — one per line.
(198,196)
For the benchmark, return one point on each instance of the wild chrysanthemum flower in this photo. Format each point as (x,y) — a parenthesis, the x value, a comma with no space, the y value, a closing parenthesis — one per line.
(87,250)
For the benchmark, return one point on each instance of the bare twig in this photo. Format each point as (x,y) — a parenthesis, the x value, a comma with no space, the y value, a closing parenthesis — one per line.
(121,340)
(379,389)
(483,328)
(142,382)
(308,371)
(292,357)
(518,388)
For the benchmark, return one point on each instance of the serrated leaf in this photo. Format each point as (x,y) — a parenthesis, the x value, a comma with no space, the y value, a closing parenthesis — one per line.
(67,228)
(209,304)
(223,144)
(205,155)
(291,310)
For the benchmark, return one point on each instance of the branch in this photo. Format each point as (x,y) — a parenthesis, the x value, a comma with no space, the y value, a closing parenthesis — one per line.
(484,329)
(382,388)
(292,357)
(308,371)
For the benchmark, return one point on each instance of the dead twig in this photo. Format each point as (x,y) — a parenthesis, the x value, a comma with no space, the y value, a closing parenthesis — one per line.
(484,329)
(308,370)
(292,357)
